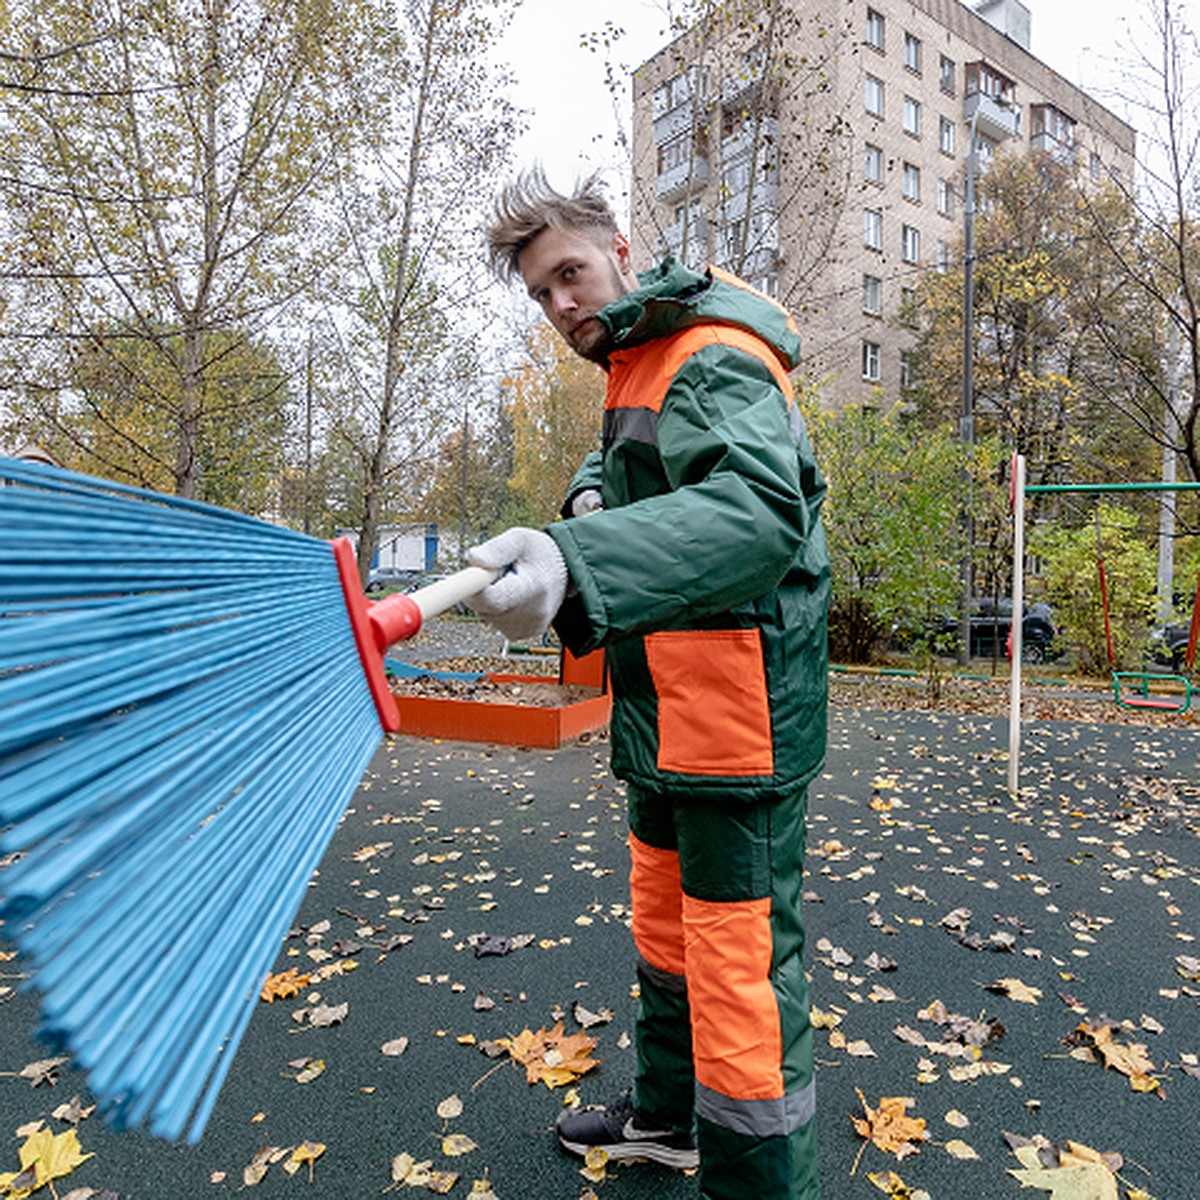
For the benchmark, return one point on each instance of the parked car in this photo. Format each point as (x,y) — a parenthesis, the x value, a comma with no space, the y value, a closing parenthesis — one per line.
(1168,645)
(381,578)
(991,624)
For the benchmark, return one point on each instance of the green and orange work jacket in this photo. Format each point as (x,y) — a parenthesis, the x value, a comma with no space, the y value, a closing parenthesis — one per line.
(706,574)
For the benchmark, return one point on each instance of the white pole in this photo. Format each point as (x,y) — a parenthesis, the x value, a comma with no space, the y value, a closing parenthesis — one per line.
(1017,497)
(1166,501)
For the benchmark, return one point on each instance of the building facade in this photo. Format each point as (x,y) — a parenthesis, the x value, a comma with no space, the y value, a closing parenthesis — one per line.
(819,148)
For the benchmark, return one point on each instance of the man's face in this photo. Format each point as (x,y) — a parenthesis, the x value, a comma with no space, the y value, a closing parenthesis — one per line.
(572,275)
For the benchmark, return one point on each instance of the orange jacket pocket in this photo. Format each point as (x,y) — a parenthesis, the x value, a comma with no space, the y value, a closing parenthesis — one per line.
(713,714)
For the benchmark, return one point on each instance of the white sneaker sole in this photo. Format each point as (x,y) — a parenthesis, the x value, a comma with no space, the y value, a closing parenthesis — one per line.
(680,1160)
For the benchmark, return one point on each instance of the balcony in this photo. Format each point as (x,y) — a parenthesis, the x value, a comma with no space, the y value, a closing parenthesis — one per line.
(995,121)
(688,176)
(677,121)
(764,139)
(1060,151)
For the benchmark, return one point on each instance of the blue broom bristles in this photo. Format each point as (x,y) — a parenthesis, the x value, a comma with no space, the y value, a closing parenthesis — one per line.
(183,718)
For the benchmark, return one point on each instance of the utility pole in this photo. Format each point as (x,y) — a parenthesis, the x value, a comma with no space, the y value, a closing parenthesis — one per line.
(966,423)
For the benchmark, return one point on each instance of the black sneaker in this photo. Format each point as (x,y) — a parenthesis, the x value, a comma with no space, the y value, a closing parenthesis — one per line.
(618,1131)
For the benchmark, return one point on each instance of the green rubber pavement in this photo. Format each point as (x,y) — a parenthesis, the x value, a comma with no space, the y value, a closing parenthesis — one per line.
(1084,891)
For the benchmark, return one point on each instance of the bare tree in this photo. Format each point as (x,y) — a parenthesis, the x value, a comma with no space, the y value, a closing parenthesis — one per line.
(406,296)
(162,166)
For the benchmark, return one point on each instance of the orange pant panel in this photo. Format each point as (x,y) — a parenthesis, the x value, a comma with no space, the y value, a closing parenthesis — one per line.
(656,895)
(736,1033)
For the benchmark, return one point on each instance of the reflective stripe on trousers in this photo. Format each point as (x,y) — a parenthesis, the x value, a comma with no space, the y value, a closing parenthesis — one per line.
(723,1029)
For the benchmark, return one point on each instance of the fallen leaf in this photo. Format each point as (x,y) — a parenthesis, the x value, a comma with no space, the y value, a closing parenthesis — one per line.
(44,1156)
(889,1128)
(456,1144)
(287,983)
(550,1056)
(1014,989)
(306,1154)
(395,1047)
(450,1108)
(45,1070)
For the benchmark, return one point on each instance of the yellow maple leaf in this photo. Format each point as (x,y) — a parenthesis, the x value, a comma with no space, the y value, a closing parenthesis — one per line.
(889,1127)
(286,983)
(550,1056)
(44,1156)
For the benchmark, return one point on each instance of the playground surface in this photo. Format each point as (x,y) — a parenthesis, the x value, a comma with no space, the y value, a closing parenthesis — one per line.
(977,953)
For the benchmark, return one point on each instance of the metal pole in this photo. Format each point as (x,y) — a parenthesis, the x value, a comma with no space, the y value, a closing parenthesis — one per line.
(1014,703)
(1166,503)
(966,426)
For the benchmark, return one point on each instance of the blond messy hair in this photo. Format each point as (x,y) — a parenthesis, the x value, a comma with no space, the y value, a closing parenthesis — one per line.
(529,205)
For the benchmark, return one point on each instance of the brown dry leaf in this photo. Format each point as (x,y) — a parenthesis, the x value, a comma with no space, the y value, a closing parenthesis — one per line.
(44,1156)
(321,1016)
(73,1111)
(889,1127)
(456,1144)
(284,984)
(45,1070)
(554,1058)
(1130,1060)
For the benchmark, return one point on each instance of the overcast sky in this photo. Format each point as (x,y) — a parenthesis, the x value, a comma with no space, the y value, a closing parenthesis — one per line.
(573,124)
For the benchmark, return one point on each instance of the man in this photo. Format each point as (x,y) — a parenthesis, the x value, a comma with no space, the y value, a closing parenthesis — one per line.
(701,567)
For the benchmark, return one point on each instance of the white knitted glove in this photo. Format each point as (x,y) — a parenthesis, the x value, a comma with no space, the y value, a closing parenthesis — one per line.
(524,600)
(584,503)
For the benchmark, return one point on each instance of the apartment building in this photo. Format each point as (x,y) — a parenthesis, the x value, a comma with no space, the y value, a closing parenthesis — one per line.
(819,148)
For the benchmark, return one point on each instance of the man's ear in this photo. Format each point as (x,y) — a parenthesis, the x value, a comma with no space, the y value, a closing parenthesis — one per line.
(624,256)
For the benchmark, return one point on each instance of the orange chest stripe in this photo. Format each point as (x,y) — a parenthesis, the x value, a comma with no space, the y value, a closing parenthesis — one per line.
(640,378)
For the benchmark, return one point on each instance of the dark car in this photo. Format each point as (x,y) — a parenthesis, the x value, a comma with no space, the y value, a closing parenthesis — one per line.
(991,624)
(1168,645)
(382,578)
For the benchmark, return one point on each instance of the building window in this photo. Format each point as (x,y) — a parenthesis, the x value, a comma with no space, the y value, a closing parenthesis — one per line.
(912,52)
(910,244)
(906,370)
(912,116)
(870,361)
(872,295)
(911,183)
(873,97)
(1094,167)
(946,75)
(943,256)
(946,135)
(873,228)
(875,29)
(873,164)
(945,198)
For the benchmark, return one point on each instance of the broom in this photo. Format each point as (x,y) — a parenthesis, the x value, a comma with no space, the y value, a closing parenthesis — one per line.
(188,699)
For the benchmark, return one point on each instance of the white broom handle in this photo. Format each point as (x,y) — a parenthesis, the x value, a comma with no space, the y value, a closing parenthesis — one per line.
(446,593)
